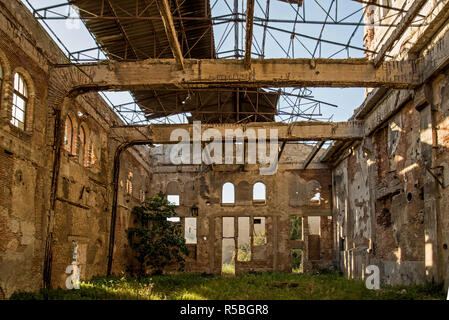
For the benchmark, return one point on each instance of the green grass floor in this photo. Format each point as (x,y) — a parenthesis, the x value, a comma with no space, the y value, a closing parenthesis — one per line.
(253,286)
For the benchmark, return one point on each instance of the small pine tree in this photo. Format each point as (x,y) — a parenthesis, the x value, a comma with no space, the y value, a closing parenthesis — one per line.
(156,241)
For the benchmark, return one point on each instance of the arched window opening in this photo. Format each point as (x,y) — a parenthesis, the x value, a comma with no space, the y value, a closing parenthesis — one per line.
(82,142)
(19,101)
(84,145)
(173,193)
(314,193)
(316,198)
(259,192)
(228,195)
(129,183)
(68,135)
(92,159)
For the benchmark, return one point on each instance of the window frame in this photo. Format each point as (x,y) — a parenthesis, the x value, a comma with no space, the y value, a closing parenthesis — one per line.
(24,96)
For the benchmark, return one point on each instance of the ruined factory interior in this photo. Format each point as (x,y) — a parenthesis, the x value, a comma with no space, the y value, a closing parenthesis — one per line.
(369,187)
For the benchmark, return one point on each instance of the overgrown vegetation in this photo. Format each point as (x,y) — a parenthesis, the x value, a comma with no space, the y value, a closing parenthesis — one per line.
(228,268)
(156,241)
(244,252)
(297,260)
(267,286)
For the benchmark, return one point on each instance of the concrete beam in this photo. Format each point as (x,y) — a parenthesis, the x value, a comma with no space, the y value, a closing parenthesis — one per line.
(163,73)
(167,19)
(297,131)
(406,21)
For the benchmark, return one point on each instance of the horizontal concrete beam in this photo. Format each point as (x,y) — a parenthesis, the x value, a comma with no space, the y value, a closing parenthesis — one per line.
(296,131)
(164,73)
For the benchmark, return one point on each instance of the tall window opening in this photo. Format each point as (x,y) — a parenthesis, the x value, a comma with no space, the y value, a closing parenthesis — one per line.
(84,146)
(244,239)
(190,230)
(228,246)
(259,231)
(173,193)
(259,192)
(129,183)
(82,142)
(68,134)
(314,225)
(228,194)
(19,102)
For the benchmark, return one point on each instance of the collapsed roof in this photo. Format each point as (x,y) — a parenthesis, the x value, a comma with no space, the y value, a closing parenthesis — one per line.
(137,32)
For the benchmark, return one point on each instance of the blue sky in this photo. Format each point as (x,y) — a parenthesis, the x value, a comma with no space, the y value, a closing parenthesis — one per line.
(278,45)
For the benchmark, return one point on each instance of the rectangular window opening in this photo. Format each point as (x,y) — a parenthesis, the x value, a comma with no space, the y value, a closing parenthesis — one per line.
(297,256)
(190,231)
(295,228)
(314,225)
(244,240)
(259,231)
(173,199)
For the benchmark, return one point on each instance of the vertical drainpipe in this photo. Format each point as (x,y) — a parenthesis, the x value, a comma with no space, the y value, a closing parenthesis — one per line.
(60,115)
(115,179)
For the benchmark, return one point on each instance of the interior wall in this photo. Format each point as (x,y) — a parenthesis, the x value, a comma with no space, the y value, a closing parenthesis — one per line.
(287,194)
(82,206)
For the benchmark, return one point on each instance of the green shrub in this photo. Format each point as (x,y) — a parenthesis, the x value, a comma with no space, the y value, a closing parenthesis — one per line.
(156,241)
